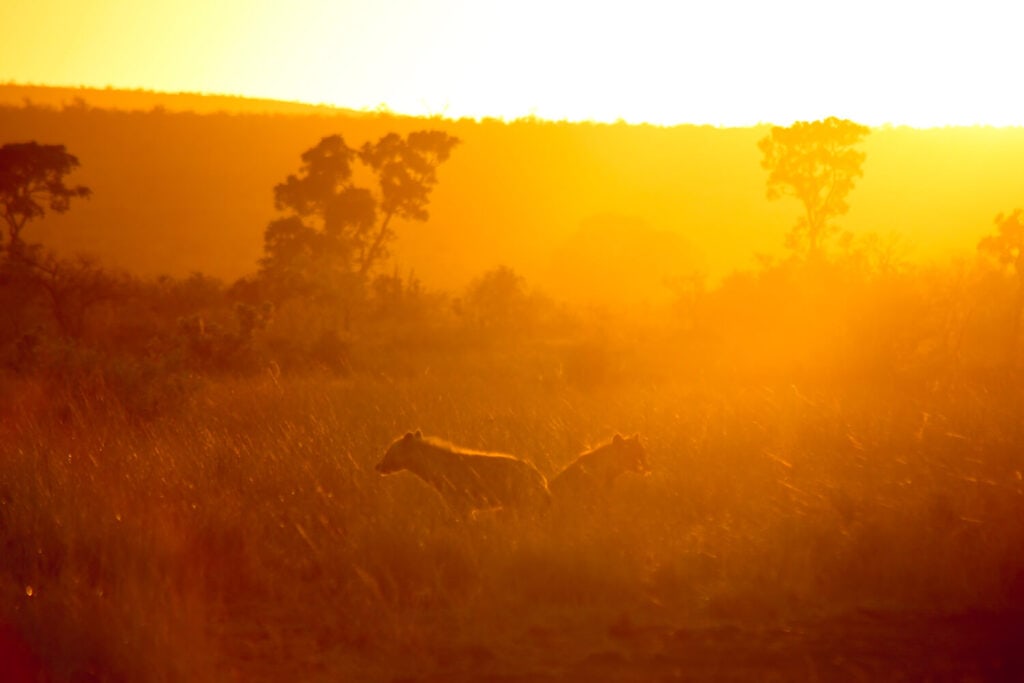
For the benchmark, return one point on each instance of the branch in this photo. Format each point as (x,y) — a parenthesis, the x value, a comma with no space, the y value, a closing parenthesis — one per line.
(373,252)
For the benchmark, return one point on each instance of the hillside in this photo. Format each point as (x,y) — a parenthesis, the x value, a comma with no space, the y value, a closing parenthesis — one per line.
(179,191)
(16,94)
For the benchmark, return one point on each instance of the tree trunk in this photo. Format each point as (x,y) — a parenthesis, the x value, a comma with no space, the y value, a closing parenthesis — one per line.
(374,250)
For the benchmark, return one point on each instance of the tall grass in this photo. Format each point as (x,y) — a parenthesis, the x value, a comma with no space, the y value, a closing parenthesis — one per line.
(246,536)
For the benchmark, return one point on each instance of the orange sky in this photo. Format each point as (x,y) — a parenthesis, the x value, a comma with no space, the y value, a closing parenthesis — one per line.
(726,62)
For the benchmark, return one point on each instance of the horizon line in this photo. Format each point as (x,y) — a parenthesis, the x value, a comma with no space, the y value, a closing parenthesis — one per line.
(383,109)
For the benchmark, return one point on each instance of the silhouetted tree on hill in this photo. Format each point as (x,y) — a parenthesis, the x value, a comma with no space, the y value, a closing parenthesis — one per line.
(817,163)
(337,230)
(1007,248)
(31,181)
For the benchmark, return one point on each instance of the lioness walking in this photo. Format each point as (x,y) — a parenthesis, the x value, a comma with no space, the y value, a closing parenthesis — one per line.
(594,472)
(468,480)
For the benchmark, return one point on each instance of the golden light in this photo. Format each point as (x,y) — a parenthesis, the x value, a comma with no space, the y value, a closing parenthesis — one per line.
(724,63)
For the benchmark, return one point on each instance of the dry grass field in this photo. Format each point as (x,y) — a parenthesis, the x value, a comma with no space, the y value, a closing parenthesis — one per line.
(843,532)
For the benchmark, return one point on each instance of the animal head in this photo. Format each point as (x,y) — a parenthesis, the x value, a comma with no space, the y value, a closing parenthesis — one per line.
(631,452)
(396,458)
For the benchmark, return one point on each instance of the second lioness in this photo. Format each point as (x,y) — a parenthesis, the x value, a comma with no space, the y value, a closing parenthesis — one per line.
(595,471)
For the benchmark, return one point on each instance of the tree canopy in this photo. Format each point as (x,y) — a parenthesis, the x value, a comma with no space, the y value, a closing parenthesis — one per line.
(337,231)
(1006,246)
(818,163)
(32,181)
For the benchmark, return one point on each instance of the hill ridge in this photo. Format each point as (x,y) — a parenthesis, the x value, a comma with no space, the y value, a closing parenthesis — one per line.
(141,99)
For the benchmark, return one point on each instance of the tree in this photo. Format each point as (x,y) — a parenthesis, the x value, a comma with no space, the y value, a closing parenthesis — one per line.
(1007,248)
(337,231)
(32,180)
(818,164)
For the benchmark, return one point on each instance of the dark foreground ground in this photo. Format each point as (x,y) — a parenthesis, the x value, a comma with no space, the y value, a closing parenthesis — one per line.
(866,647)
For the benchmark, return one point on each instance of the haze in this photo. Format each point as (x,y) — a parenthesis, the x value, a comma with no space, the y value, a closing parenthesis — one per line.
(179,192)
(479,372)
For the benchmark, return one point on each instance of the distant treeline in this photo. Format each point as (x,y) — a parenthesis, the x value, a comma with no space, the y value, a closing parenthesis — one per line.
(176,193)
(308,283)
(18,94)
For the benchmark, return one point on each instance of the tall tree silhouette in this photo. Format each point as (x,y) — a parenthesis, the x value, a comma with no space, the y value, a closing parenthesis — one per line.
(337,230)
(1007,247)
(818,164)
(32,181)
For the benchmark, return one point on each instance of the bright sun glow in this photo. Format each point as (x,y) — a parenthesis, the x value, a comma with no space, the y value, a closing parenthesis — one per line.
(727,63)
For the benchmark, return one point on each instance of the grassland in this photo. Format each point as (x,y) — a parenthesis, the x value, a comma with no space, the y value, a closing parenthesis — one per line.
(832,532)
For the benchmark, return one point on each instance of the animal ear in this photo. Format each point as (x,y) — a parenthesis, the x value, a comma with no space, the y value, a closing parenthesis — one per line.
(617,438)
(409,436)
(418,434)
(635,437)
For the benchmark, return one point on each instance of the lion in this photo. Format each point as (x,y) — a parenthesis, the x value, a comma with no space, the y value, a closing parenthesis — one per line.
(594,472)
(468,480)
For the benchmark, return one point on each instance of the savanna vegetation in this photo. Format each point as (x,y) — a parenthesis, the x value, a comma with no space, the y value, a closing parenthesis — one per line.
(188,487)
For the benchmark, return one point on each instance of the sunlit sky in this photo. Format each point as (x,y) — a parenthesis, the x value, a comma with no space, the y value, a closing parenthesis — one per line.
(723,62)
